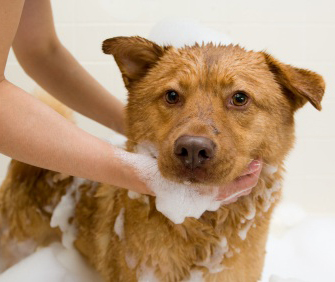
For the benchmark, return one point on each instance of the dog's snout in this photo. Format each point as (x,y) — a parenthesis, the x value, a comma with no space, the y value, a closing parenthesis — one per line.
(194,151)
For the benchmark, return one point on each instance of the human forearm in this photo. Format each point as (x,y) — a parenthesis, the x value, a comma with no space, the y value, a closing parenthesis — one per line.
(60,74)
(33,133)
(9,19)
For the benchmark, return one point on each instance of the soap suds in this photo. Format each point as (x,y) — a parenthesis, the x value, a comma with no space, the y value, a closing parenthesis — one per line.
(214,262)
(146,274)
(175,200)
(147,148)
(52,264)
(137,196)
(251,206)
(16,251)
(51,207)
(53,179)
(64,211)
(133,195)
(242,233)
(145,199)
(268,195)
(131,260)
(195,276)
(270,169)
(119,225)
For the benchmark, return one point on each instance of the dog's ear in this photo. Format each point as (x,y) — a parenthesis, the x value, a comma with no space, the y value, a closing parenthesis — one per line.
(299,84)
(134,56)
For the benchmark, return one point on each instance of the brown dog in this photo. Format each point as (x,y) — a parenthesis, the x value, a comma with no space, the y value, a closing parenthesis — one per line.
(208,111)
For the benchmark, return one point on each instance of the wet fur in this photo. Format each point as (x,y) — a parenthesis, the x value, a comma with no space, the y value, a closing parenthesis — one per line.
(206,76)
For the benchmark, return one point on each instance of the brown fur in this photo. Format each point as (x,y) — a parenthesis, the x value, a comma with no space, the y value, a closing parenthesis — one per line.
(205,77)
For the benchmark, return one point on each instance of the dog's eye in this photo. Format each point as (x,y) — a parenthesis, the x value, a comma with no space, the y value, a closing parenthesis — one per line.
(172,97)
(240,99)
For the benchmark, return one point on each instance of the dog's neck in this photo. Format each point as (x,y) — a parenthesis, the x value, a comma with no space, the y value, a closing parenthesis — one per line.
(246,208)
(232,226)
(219,235)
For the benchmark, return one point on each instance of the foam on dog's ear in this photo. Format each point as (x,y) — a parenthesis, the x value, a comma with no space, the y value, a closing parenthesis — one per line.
(134,56)
(301,85)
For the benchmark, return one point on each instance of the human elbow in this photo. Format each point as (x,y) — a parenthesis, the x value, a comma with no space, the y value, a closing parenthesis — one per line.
(29,53)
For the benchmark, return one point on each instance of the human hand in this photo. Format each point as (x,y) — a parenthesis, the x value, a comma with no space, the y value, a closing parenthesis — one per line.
(242,185)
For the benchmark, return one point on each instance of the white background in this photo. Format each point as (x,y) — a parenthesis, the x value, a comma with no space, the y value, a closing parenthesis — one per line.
(298,32)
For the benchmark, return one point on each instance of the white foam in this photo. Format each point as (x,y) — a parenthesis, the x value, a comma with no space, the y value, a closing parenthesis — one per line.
(145,199)
(133,195)
(270,169)
(268,195)
(147,148)
(49,208)
(64,211)
(137,196)
(17,250)
(294,253)
(119,225)
(52,264)
(214,262)
(242,233)
(131,261)
(175,200)
(117,140)
(146,274)
(195,276)
(251,206)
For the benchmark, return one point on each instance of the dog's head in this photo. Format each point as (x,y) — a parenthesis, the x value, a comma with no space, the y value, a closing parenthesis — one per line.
(210,110)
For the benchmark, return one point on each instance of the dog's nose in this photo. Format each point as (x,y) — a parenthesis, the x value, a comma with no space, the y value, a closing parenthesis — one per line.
(194,151)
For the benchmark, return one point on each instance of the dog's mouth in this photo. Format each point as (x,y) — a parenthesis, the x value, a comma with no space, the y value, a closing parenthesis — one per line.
(240,186)
(177,200)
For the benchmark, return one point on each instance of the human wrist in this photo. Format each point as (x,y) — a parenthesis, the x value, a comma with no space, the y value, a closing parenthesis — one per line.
(128,171)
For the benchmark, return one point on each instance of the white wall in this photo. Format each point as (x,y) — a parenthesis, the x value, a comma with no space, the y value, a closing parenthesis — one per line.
(299,32)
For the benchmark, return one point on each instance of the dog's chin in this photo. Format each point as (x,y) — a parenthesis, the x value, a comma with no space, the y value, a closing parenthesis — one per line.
(196,176)
(235,185)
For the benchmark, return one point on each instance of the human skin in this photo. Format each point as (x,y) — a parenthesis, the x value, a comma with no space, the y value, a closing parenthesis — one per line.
(45,59)
(32,132)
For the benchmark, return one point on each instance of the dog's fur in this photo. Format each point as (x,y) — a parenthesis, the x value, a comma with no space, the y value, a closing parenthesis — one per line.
(205,77)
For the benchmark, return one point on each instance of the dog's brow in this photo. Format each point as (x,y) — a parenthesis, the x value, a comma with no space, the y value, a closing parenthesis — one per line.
(212,56)
(175,84)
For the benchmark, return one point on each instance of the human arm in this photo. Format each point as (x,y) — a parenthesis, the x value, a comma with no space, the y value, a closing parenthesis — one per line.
(47,61)
(32,132)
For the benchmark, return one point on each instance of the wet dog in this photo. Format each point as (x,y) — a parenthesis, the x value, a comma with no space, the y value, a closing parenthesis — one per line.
(209,116)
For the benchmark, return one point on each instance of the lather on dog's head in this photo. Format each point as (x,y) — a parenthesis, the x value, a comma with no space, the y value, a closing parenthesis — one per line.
(209,110)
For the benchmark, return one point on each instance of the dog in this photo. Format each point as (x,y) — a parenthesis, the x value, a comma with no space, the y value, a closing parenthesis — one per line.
(203,114)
